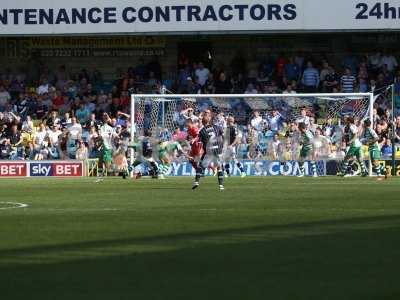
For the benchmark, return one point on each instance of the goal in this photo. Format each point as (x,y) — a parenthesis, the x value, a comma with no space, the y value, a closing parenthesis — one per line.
(274,139)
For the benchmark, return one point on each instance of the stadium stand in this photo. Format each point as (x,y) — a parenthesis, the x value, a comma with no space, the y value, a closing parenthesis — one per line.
(56,114)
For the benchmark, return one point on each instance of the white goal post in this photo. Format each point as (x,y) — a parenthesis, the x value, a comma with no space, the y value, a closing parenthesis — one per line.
(158,111)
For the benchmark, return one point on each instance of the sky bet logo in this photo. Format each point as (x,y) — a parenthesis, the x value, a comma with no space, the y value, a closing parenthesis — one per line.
(55,169)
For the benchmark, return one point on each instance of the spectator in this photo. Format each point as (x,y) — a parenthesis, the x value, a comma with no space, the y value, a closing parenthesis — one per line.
(74,129)
(238,83)
(92,138)
(331,81)
(375,61)
(257,122)
(223,86)
(310,78)
(82,113)
(312,126)
(250,89)
(387,148)
(326,69)
(275,147)
(202,74)
(53,119)
(363,86)
(350,62)
(41,109)
(275,121)
(397,129)
(188,114)
(152,81)
(390,61)
(82,151)
(179,135)
(289,90)
(39,137)
(44,87)
(54,135)
(27,125)
(348,81)
(303,117)
(292,70)
(220,120)
(5,98)
(363,72)
(209,86)
(58,100)
(280,65)
(5,148)
(192,87)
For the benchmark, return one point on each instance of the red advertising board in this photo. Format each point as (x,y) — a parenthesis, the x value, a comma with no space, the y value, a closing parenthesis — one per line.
(13,169)
(67,169)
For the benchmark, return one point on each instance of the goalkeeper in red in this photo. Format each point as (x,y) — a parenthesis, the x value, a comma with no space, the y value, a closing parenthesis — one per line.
(212,138)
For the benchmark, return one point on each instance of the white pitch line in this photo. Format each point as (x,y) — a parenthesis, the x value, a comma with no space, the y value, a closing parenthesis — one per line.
(16,205)
(82,209)
(208,210)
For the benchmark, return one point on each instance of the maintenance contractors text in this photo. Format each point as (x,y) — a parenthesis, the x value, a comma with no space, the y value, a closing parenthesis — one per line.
(144,16)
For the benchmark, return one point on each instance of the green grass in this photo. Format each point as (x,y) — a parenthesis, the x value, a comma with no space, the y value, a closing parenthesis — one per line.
(262,238)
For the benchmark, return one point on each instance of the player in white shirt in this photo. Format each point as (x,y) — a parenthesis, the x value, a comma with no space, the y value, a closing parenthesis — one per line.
(104,146)
(351,133)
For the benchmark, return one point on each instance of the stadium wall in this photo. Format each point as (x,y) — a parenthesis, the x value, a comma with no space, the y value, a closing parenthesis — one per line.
(112,57)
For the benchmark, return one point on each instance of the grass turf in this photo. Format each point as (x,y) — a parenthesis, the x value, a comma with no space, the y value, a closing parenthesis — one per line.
(262,238)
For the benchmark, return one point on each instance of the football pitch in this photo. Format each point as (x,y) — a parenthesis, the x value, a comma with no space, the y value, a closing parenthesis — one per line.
(261,238)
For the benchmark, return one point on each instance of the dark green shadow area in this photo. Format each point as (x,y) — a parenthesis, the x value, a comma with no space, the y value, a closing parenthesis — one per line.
(356,258)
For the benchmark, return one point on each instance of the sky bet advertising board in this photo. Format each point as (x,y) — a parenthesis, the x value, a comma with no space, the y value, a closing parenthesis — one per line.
(41,169)
(154,16)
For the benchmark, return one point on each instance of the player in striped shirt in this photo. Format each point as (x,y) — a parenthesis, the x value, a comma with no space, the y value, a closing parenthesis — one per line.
(232,139)
(212,138)
(352,137)
(307,149)
(370,138)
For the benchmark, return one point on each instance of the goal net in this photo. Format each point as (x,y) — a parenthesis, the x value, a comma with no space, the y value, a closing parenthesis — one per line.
(268,125)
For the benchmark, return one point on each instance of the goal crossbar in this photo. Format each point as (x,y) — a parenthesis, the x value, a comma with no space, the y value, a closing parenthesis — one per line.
(251,95)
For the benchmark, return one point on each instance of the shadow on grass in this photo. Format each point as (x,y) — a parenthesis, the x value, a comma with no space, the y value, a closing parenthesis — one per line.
(351,262)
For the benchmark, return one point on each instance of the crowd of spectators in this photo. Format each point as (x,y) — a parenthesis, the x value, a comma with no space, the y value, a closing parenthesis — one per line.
(58,115)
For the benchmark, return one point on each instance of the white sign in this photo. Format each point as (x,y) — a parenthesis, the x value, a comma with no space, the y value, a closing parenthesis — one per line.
(150,16)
